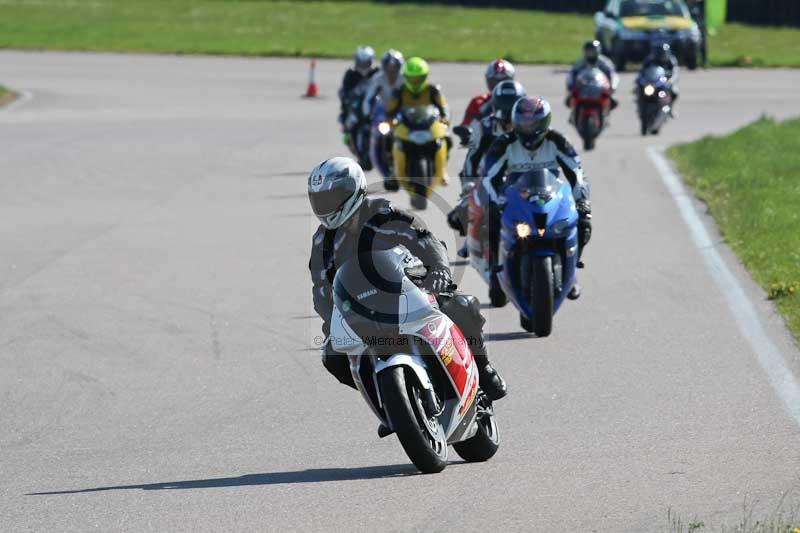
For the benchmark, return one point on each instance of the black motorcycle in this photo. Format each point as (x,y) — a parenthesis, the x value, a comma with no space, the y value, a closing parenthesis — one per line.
(654,99)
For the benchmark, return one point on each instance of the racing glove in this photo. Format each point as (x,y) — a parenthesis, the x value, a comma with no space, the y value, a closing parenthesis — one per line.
(438,280)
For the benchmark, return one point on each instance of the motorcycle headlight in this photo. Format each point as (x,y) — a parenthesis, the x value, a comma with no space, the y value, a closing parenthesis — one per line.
(384,128)
(523,230)
(649,90)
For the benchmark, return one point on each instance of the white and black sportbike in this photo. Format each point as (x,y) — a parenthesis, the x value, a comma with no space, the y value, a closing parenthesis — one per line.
(410,362)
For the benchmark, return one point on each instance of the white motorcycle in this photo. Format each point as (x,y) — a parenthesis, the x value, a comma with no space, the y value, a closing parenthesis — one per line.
(410,362)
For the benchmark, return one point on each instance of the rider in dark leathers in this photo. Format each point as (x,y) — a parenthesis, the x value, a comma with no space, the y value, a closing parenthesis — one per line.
(484,132)
(354,224)
(662,56)
(361,71)
(592,58)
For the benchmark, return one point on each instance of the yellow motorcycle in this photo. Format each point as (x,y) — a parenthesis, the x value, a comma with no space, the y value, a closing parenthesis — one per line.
(423,144)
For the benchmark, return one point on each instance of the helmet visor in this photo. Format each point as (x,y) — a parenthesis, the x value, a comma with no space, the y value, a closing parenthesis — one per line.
(392,72)
(415,83)
(532,130)
(327,201)
(363,64)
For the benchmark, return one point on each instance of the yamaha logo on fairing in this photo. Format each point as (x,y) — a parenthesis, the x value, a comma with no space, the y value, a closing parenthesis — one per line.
(366,294)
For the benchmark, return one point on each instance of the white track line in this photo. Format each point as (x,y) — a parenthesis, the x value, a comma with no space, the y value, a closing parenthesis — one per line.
(769,356)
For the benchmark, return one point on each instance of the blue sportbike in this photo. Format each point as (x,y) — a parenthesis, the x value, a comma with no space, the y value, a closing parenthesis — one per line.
(538,251)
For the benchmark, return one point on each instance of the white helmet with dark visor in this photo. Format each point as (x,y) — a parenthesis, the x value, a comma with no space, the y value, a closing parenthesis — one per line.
(336,189)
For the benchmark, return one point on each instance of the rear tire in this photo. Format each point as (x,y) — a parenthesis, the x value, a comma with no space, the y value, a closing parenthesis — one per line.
(542,295)
(618,53)
(391,184)
(497,297)
(588,143)
(484,444)
(428,452)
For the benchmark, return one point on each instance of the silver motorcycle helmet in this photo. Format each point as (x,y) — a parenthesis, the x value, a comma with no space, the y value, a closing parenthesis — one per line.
(363,57)
(336,189)
(392,63)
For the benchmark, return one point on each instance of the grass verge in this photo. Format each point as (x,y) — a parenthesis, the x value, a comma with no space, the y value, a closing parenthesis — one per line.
(780,520)
(333,29)
(750,180)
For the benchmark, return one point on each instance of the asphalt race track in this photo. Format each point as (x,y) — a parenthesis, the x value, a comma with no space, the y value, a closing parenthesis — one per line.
(158,368)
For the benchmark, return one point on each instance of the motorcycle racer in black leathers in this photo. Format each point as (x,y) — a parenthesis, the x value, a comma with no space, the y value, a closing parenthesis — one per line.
(592,58)
(661,56)
(352,224)
(495,122)
(533,145)
(353,87)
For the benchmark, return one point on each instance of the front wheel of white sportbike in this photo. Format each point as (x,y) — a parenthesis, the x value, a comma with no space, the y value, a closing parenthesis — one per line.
(422,437)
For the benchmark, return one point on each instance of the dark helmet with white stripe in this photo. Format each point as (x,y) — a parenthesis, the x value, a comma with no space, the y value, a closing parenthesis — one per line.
(530,119)
(336,189)
(504,95)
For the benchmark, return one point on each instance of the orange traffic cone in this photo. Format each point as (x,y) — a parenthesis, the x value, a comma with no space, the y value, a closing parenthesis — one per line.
(312,90)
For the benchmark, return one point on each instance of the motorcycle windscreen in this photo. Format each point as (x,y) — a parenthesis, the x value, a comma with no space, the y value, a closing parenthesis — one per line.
(374,294)
(591,83)
(654,75)
(420,117)
(538,186)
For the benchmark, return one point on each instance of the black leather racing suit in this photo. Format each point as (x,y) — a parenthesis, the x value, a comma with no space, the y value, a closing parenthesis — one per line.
(670,66)
(352,79)
(603,63)
(378,225)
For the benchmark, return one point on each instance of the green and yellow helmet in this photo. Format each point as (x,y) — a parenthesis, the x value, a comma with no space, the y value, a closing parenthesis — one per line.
(415,74)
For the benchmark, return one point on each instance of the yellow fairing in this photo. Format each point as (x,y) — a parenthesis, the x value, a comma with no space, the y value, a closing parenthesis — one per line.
(439,132)
(400,131)
(647,23)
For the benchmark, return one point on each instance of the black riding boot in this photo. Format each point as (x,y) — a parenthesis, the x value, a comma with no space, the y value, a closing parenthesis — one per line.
(338,365)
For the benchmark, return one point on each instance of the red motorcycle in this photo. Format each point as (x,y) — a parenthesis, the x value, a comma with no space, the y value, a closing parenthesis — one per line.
(591,104)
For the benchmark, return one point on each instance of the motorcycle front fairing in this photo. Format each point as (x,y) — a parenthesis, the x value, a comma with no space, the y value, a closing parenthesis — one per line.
(549,211)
